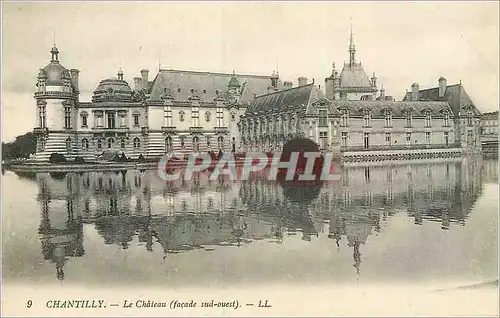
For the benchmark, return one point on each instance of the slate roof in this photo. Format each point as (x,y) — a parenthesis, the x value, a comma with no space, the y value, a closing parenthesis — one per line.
(206,85)
(455,95)
(299,97)
(398,108)
(354,76)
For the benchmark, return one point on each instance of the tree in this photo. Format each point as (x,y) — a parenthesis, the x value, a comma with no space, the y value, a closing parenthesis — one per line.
(22,147)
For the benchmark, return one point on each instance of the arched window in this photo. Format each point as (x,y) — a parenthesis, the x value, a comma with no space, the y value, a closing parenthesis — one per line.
(196,144)
(68,144)
(99,143)
(182,142)
(122,143)
(168,143)
(85,144)
(208,117)
(233,117)
(137,143)
(84,116)
(220,142)
(111,141)
(181,115)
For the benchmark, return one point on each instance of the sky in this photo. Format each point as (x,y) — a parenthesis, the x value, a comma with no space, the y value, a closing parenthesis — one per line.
(402,42)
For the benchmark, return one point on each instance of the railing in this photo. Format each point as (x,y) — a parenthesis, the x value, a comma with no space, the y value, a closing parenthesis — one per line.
(105,129)
(220,128)
(168,128)
(54,94)
(196,129)
(40,130)
(399,147)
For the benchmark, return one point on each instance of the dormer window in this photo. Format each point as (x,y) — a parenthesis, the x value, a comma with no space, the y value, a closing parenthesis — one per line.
(179,90)
(446,119)
(366,118)
(344,118)
(469,118)
(408,118)
(192,90)
(428,119)
(388,119)
(323,118)
(204,91)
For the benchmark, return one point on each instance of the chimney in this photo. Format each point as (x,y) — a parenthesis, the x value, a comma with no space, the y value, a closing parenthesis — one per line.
(414,92)
(144,75)
(302,81)
(137,83)
(288,85)
(442,86)
(74,79)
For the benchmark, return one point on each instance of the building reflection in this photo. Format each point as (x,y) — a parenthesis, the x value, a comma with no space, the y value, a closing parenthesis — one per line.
(137,207)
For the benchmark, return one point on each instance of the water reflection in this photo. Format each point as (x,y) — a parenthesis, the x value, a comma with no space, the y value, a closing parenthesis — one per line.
(179,216)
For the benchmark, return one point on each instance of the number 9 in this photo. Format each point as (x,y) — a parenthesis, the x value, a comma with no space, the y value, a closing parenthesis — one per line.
(29,304)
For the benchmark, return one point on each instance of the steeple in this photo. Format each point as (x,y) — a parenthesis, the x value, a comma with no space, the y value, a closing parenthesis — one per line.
(352,49)
(55,53)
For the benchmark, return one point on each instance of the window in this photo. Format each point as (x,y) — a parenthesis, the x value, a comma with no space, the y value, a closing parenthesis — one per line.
(388,119)
(136,120)
(41,144)
(196,144)
(67,117)
(323,118)
(179,90)
(220,142)
(195,115)
(388,139)
(208,117)
(122,143)
(192,90)
(99,143)
(111,119)
(181,116)
(204,91)
(366,140)
(122,119)
(168,116)
(408,138)
(168,144)
(182,142)
(42,115)
(233,117)
(408,118)
(68,144)
(111,141)
(137,143)
(469,119)
(85,144)
(366,118)
(84,119)
(428,137)
(220,118)
(446,119)
(344,139)
(446,138)
(344,118)
(208,141)
(428,119)
(98,121)
(323,139)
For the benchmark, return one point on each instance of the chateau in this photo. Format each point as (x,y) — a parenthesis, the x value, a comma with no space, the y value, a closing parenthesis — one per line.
(187,111)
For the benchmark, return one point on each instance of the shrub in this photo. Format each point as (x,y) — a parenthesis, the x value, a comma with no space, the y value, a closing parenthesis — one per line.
(79,160)
(57,158)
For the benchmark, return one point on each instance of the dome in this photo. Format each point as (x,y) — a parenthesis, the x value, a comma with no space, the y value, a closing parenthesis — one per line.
(234,82)
(112,89)
(54,72)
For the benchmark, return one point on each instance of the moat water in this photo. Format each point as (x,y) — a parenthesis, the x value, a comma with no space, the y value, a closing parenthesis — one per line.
(394,223)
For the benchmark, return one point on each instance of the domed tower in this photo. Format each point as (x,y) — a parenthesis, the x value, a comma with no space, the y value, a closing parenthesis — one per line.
(56,100)
(233,89)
